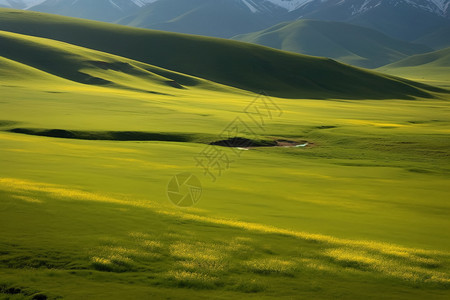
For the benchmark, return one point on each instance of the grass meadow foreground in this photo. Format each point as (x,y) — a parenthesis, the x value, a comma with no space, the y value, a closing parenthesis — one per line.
(356,207)
(362,211)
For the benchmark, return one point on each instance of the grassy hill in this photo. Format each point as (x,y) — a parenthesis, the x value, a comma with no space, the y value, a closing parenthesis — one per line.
(88,66)
(431,68)
(344,42)
(438,39)
(241,65)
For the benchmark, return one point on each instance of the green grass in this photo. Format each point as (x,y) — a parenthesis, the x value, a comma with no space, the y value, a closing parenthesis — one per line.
(351,44)
(430,68)
(362,212)
(95,214)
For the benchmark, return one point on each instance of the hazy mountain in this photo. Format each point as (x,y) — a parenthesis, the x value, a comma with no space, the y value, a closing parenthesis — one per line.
(439,7)
(19,4)
(220,18)
(101,10)
(347,43)
(403,19)
(437,39)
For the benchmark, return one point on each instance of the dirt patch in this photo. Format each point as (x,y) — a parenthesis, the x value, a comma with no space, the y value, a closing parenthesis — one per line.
(239,142)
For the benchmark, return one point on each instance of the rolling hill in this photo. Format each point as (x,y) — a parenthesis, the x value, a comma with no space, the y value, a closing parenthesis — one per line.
(347,43)
(240,65)
(437,39)
(433,68)
(24,55)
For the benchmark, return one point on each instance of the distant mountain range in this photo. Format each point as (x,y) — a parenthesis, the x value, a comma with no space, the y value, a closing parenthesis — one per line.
(404,19)
(19,4)
(352,44)
(219,18)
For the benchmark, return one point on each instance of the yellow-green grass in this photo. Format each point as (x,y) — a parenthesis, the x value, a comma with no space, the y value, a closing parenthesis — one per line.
(430,68)
(361,214)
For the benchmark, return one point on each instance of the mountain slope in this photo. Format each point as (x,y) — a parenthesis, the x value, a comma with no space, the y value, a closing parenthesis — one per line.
(347,43)
(438,7)
(24,55)
(101,10)
(219,18)
(431,67)
(437,39)
(19,4)
(402,19)
(241,65)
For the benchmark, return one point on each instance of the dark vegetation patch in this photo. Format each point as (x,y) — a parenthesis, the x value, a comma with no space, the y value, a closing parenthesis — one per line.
(107,135)
(7,123)
(243,143)
(325,127)
(156,136)
(116,66)
(12,290)
(421,171)
(175,84)
(248,143)
(88,79)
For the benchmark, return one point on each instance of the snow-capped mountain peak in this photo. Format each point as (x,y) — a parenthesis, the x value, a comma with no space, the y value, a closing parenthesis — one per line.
(21,4)
(141,3)
(290,5)
(440,7)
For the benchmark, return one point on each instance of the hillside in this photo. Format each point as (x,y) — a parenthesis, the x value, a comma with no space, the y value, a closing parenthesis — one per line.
(24,55)
(433,68)
(402,19)
(437,39)
(347,43)
(241,65)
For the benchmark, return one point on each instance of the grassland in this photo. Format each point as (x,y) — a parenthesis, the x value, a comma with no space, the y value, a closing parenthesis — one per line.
(361,212)
(429,68)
